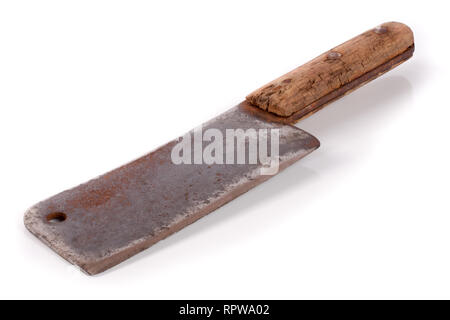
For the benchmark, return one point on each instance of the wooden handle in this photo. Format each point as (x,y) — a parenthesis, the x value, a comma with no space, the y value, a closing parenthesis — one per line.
(331,75)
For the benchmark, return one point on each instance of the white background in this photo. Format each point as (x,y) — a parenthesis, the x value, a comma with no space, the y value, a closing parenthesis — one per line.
(86,86)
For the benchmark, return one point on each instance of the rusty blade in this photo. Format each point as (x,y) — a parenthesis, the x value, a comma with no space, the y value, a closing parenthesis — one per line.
(115,216)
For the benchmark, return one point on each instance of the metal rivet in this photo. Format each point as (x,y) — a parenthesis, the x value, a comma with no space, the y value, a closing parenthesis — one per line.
(380,29)
(333,55)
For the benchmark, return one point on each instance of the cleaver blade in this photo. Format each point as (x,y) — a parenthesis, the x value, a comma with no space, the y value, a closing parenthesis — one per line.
(111,218)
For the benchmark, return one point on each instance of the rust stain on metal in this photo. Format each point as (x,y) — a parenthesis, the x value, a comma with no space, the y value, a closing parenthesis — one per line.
(115,216)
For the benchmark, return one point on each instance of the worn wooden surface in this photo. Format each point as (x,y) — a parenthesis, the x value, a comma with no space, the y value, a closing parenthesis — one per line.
(306,89)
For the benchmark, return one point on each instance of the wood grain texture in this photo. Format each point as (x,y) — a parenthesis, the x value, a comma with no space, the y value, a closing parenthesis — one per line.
(309,87)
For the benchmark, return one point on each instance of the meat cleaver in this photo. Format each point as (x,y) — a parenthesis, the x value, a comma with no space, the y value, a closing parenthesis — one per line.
(115,216)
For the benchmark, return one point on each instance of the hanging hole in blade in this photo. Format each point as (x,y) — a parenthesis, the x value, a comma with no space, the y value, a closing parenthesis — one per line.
(56,217)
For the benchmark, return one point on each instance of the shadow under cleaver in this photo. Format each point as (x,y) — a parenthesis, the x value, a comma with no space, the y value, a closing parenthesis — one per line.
(363,113)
